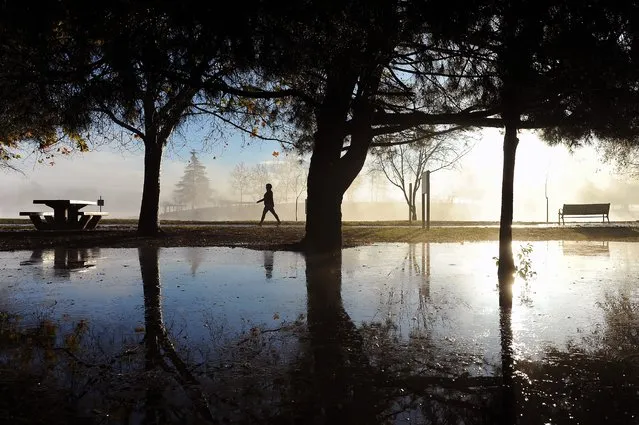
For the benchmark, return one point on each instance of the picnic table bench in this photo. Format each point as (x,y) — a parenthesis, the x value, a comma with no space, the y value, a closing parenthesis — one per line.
(66,215)
(584,210)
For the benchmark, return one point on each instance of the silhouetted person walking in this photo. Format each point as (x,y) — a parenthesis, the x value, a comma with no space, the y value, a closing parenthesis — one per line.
(269,204)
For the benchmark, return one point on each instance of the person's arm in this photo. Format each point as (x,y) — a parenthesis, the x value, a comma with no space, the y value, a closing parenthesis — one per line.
(260,201)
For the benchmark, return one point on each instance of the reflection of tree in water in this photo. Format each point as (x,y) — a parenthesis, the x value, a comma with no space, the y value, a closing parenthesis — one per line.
(160,353)
(619,338)
(508,415)
(412,278)
(341,379)
(333,370)
(592,381)
(367,375)
(194,257)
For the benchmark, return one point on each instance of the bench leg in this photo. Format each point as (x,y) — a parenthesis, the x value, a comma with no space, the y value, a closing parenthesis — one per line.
(37,222)
(83,222)
(92,222)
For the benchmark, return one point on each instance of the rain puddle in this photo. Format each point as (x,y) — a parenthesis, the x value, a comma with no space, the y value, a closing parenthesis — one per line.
(387,333)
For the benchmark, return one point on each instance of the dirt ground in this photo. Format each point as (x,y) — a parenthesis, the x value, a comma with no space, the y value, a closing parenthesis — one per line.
(121,235)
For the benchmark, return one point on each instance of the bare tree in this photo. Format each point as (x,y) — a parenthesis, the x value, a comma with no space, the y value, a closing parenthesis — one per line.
(357,184)
(403,164)
(258,177)
(288,173)
(297,180)
(240,178)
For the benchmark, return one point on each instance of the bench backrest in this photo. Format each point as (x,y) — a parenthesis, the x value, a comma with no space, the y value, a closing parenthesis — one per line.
(576,209)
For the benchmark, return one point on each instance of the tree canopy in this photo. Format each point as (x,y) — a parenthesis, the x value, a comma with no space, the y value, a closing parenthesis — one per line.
(334,78)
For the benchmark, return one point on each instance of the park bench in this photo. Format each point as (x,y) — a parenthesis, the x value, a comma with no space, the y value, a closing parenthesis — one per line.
(66,215)
(584,210)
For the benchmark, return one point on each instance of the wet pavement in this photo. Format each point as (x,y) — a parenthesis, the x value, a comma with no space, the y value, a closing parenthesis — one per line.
(388,333)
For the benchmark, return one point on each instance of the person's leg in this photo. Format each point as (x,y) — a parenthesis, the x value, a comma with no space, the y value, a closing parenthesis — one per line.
(263,215)
(275,214)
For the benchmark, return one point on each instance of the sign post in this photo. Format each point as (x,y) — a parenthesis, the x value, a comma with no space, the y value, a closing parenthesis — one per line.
(426,194)
(411,201)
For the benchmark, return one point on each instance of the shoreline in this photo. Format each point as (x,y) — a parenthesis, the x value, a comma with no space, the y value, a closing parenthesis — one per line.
(270,237)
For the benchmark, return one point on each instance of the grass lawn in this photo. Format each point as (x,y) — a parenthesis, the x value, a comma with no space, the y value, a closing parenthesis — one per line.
(19,234)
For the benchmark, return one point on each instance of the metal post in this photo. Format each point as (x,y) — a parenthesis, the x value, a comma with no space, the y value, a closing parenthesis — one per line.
(423,209)
(546,209)
(428,200)
(410,203)
(546,194)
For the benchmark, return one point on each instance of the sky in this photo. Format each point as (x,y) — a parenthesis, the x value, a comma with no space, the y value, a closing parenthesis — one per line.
(474,187)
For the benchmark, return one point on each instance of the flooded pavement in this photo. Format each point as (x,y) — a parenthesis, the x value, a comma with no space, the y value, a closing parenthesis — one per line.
(388,333)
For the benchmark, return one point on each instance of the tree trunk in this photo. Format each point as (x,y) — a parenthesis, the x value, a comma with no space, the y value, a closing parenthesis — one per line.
(324,209)
(331,173)
(327,180)
(327,183)
(149,221)
(506,267)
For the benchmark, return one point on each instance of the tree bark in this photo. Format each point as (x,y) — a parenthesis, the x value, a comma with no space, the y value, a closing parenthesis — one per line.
(327,181)
(324,212)
(506,267)
(149,221)
(330,172)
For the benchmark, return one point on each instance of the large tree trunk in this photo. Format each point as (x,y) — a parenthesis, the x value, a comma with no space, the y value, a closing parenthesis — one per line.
(327,181)
(506,267)
(324,210)
(149,221)
(331,173)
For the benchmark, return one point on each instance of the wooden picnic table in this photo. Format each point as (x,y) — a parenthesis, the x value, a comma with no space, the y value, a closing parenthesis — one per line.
(66,215)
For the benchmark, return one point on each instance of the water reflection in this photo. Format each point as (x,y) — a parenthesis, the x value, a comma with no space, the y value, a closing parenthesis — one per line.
(508,411)
(415,336)
(268,263)
(64,260)
(194,255)
(585,248)
(160,352)
(364,374)
(342,376)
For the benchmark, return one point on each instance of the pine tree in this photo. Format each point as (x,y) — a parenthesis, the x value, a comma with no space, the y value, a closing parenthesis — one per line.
(194,188)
